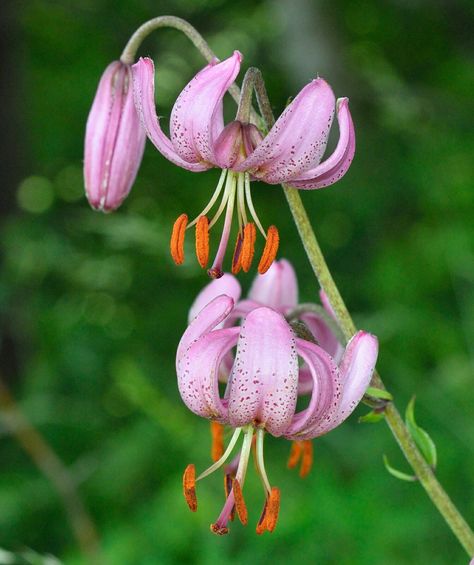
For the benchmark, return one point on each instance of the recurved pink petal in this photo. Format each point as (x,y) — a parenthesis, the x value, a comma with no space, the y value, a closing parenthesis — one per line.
(144,94)
(198,371)
(264,379)
(277,288)
(208,318)
(356,371)
(298,139)
(114,140)
(357,367)
(326,391)
(335,166)
(196,118)
(227,285)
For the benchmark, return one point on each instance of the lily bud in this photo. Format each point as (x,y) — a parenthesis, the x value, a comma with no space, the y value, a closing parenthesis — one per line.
(115,140)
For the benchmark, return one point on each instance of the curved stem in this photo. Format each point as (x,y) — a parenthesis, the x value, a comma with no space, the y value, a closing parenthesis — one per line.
(422,470)
(128,54)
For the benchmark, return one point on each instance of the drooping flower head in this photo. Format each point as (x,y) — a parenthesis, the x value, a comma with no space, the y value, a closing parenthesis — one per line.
(114,141)
(291,153)
(262,386)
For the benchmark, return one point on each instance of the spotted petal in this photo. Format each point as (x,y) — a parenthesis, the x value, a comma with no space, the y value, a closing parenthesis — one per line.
(207,319)
(197,118)
(298,139)
(264,379)
(198,371)
(143,73)
(356,371)
(335,166)
(326,390)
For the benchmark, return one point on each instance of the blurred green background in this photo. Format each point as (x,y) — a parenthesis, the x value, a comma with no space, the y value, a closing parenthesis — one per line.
(92,307)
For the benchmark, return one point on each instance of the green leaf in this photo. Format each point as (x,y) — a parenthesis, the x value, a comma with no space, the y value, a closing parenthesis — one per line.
(397,474)
(378,393)
(422,439)
(371,417)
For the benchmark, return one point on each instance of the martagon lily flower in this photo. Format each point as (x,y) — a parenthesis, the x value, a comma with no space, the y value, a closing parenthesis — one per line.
(114,141)
(262,391)
(291,153)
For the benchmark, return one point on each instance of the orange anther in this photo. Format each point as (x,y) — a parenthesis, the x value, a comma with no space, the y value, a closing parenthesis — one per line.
(217,448)
(239,502)
(307,460)
(189,487)
(261,525)
(177,239)
(248,246)
(202,241)
(295,454)
(237,257)
(219,530)
(270,250)
(273,508)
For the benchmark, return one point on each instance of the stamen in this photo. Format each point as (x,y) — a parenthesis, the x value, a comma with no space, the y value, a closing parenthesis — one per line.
(189,487)
(236,259)
(261,525)
(229,184)
(240,506)
(224,458)
(295,454)
(213,199)
(202,241)
(269,516)
(248,196)
(177,239)
(260,461)
(273,508)
(244,455)
(241,197)
(270,250)
(217,433)
(248,246)
(307,461)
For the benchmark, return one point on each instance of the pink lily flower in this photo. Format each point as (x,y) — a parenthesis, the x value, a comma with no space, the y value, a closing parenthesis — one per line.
(262,391)
(114,141)
(277,289)
(291,153)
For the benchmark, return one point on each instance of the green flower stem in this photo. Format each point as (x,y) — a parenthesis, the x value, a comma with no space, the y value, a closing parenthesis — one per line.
(130,51)
(421,468)
(255,81)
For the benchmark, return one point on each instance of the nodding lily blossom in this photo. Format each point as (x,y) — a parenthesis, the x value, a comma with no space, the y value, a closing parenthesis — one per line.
(262,391)
(114,141)
(277,289)
(291,153)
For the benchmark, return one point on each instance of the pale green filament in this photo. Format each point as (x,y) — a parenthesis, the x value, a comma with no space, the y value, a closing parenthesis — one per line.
(260,461)
(212,201)
(222,460)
